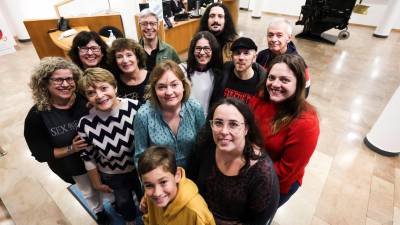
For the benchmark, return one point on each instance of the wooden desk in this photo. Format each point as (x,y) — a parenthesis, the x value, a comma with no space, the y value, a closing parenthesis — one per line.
(42,42)
(66,43)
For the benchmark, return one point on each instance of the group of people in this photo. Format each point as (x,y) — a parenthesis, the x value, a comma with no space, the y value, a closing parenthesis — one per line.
(222,138)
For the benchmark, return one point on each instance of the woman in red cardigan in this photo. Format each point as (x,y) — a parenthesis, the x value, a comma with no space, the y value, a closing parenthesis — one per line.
(288,123)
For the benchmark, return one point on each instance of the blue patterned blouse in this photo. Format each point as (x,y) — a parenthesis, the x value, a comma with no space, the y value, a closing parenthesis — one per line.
(151,129)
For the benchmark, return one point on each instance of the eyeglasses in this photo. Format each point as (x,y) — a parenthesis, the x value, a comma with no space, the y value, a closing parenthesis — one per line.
(233,125)
(206,49)
(145,24)
(60,80)
(85,50)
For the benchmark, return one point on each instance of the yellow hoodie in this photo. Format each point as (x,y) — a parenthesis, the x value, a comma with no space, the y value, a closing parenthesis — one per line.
(188,207)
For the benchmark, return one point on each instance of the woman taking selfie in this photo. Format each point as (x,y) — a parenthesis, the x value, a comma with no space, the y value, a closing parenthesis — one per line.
(234,174)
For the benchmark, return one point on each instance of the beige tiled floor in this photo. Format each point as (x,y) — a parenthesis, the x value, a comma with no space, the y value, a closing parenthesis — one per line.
(345,182)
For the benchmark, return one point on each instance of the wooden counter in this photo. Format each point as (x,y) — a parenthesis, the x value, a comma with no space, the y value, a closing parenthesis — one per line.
(42,42)
(65,43)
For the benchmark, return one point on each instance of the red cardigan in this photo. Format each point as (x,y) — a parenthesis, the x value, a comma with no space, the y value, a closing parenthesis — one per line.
(291,148)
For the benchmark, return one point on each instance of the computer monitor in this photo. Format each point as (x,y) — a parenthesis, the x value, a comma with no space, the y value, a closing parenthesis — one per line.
(166,5)
(192,3)
(143,6)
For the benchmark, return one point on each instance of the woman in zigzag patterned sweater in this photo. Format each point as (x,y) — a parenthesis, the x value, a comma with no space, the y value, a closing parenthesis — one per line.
(109,130)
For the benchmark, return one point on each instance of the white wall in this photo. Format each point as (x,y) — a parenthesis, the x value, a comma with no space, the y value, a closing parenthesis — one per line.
(19,10)
(293,8)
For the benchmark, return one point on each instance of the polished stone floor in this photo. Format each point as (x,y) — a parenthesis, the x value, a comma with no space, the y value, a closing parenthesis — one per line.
(345,182)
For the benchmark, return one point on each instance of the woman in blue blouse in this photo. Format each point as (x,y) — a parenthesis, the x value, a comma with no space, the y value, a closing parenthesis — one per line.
(169,117)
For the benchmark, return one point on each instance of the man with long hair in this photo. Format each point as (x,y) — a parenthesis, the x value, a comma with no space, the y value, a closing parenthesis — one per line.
(218,21)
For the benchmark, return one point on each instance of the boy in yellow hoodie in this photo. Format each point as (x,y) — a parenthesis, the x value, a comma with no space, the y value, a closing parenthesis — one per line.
(170,197)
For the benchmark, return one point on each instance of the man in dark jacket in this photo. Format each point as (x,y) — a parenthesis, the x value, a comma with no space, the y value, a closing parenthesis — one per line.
(279,35)
(241,75)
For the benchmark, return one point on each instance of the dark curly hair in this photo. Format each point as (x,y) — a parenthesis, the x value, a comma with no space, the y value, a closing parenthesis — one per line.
(125,44)
(82,39)
(253,139)
(229,33)
(216,57)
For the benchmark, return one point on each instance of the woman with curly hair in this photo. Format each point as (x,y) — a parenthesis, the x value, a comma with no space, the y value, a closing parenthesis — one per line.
(234,175)
(88,50)
(50,126)
(128,60)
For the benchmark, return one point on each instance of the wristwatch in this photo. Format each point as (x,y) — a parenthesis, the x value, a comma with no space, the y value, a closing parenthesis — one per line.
(69,148)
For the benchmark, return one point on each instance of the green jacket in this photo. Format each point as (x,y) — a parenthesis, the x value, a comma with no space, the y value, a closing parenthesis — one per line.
(165,51)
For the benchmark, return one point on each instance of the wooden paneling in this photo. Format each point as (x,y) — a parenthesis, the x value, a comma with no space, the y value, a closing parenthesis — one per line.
(181,34)
(37,30)
(233,7)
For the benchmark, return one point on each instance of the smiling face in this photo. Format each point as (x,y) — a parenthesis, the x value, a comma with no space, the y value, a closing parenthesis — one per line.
(230,130)
(243,59)
(61,92)
(161,186)
(102,96)
(149,27)
(281,83)
(126,61)
(278,38)
(202,52)
(216,20)
(90,54)
(169,90)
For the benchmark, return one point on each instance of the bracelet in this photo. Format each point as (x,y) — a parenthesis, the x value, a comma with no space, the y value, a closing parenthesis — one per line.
(69,149)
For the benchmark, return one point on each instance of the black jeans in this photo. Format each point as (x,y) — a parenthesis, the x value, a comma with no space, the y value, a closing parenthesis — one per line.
(285,197)
(123,185)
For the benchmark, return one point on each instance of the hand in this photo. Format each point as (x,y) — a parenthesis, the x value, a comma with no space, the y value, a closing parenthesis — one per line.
(78,144)
(103,188)
(143,205)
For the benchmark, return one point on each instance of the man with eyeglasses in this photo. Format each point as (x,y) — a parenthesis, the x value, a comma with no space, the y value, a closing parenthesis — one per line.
(156,49)
(241,75)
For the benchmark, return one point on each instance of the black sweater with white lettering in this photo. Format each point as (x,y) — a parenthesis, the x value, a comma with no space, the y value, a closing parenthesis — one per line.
(55,128)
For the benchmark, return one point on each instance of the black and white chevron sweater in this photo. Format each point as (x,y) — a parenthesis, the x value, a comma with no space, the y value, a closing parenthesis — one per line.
(111,138)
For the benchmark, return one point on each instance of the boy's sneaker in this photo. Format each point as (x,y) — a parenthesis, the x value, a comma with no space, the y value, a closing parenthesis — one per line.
(102,218)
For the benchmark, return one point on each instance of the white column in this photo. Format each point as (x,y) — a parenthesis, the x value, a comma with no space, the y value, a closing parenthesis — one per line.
(256,13)
(14,9)
(388,20)
(383,137)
